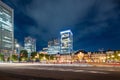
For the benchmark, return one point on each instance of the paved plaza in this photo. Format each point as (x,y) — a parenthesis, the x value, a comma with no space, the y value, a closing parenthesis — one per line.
(29,71)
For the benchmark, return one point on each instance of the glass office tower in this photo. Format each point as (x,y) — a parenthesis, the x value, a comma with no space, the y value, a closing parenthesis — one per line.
(6,30)
(30,45)
(54,46)
(66,42)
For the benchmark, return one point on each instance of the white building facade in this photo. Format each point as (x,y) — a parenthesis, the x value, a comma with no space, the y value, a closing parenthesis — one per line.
(66,42)
(53,46)
(30,45)
(6,30)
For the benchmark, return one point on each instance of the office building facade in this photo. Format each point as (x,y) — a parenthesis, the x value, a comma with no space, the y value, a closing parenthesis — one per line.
(53,46)
(66,46)
(30,45)
(6,29)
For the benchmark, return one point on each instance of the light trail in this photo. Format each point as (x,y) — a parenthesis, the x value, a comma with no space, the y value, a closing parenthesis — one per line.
(59,67)
(62,69)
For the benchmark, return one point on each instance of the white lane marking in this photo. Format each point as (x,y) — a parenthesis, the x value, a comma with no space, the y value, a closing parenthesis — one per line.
(98,72)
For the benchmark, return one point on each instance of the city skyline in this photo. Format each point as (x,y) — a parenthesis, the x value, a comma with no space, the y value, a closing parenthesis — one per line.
(80,40)
(95,24)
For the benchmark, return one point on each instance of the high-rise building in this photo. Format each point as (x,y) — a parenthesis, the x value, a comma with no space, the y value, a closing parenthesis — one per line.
(66,42)
(53,46)
(30,45)
(6,30)
(17,47)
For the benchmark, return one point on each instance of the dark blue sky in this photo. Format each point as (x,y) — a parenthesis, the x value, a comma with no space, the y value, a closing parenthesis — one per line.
(94,23)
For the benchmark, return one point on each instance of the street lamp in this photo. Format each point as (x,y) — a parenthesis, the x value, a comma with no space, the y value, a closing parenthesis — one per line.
(17,50)
(17,45)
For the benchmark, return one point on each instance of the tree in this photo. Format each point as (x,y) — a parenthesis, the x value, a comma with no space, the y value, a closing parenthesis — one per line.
(14,57)
(41,56)
(23,55)
(51,57)
(1,57)
(47,56)
(33,54)
(117,55)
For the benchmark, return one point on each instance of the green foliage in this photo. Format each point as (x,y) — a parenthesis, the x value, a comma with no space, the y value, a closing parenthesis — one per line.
(46,57)
(23,55)
(8,59)
(51,57)
(41,56)
(33,54)
(115,56)
(1,57)
(23,59)
(14,57)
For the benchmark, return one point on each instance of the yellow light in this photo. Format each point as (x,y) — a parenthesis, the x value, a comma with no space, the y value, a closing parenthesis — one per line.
(44,58)
(108,57)
(23,59)
(112,56)
(119,55)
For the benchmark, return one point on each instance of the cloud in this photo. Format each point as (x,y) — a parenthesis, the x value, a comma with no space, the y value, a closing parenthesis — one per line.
(54,15)
(99,18)
(85,18)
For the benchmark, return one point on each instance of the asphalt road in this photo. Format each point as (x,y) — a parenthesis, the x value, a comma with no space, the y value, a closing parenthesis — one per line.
(57,72)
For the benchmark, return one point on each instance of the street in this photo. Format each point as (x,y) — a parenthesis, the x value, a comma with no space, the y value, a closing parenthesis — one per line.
(25,71)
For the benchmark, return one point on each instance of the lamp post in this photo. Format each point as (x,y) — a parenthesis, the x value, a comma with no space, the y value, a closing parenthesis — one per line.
(17,50)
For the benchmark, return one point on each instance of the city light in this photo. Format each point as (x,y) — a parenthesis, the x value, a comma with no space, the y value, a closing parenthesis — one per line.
(108,57)
(17,45)
(112,56)
(119,54)
(34,47)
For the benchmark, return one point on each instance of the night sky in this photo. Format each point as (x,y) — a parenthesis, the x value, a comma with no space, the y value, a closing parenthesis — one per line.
(95,23)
